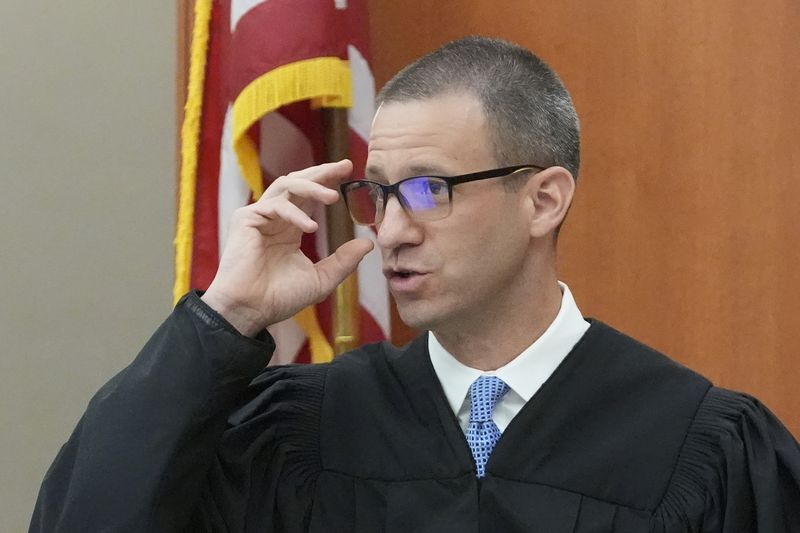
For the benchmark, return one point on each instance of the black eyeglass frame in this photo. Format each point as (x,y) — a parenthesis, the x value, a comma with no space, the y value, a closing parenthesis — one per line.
(451,181)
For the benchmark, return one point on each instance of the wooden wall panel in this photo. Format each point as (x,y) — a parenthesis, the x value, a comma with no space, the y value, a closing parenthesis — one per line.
(686,229)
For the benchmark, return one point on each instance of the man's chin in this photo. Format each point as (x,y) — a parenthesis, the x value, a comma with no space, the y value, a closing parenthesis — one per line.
(415,314)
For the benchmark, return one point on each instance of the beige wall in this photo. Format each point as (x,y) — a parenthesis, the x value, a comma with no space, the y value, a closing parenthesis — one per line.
(86,215)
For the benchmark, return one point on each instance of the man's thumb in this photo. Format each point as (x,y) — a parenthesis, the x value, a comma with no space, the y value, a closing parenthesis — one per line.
(335,268)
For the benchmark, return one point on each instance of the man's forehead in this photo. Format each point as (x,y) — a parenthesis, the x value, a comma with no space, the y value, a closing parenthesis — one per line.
(427,136)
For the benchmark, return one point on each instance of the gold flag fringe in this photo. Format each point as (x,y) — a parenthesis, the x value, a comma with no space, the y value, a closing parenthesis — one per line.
(190,136)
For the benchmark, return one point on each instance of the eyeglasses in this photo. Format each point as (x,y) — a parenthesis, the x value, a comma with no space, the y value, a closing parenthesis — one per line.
(424,198)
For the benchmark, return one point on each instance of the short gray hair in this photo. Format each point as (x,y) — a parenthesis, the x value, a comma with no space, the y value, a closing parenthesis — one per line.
(530,114)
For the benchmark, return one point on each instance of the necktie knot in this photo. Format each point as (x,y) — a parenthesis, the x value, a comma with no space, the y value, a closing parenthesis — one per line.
(484,393)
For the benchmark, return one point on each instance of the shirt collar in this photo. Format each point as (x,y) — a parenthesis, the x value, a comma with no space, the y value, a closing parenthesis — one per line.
(524,374)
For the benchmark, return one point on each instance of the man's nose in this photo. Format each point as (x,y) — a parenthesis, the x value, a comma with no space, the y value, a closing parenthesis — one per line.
(397,227)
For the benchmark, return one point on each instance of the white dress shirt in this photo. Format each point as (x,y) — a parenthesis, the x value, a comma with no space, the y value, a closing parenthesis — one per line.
(524,374)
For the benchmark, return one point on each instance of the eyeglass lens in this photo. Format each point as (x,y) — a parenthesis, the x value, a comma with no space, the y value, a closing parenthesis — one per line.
(363,199)
(424,198)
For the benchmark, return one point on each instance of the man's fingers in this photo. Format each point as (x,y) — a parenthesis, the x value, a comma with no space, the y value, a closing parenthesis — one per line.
(335,268)
(328,174)
(300,188)
(291,197)
(284,210)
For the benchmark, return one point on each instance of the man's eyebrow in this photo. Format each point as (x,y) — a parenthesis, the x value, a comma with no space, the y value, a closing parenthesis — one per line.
(418,170)
(376,173)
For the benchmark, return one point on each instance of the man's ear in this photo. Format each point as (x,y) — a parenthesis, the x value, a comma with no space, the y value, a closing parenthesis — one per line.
(549,195)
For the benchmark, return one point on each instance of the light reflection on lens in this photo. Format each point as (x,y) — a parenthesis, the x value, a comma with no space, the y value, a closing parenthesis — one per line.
(426,198)
(418,194)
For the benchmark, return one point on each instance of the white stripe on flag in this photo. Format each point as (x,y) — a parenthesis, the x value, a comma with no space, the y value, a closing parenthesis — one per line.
(239,8)
(360,115)
(284,147)
(372,293)
(233,192)
(289,339)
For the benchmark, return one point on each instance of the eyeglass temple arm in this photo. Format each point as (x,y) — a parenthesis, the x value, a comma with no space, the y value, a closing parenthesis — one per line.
(454,180)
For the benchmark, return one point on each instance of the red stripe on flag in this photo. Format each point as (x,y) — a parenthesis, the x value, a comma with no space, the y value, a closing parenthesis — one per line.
(279,32)
(369,330)
(308,121)
(205,244)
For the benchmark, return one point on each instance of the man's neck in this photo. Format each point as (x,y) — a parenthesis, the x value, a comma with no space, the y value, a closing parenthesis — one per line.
(490,344)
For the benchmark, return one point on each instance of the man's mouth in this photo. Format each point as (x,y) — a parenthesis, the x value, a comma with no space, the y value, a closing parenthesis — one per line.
(400,273)
(403,280)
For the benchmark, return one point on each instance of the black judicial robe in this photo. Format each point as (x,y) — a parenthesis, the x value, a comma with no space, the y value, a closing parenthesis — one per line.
(195,435)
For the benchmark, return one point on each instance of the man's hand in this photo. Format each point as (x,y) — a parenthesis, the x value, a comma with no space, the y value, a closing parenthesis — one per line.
(263,276)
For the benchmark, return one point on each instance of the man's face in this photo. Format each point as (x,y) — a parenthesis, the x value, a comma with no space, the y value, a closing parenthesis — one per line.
(465,268)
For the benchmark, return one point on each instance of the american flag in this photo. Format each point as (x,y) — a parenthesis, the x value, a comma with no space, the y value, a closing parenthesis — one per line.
(259,73)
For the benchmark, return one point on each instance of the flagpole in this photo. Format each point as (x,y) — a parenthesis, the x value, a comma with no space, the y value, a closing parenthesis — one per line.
(336,133)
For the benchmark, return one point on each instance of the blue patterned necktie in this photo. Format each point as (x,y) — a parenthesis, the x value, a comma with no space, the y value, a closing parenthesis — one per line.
(482,432)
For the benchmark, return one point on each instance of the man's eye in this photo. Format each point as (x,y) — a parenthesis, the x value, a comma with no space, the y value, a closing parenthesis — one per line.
(436,187)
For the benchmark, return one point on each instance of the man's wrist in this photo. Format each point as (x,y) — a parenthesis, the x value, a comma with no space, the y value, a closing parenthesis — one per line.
(247,321)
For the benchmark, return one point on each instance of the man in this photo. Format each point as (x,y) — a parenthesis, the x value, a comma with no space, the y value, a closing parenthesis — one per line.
(512,414)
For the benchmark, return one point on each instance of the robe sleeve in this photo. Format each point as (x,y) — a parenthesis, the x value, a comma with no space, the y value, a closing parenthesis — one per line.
(264,473)
(739,470)
(140,456)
